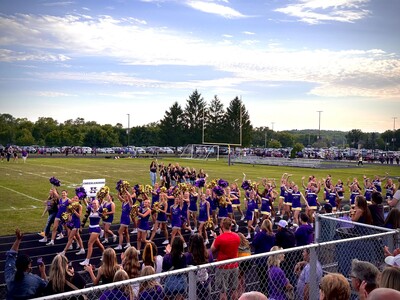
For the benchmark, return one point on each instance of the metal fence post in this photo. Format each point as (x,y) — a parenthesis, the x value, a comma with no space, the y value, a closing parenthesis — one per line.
(192,285)
(313,284)
(317,228)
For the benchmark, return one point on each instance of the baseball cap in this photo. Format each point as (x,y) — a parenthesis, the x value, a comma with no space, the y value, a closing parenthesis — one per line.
(393,260)
(282,223)
(346,207)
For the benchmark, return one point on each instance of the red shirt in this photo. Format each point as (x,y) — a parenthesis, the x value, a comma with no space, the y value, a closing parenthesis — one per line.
(227,245)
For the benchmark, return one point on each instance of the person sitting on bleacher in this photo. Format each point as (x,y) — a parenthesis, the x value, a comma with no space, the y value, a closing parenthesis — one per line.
(363,273)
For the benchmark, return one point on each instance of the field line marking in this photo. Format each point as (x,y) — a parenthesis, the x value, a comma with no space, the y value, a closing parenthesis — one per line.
(25,195)
(17,209)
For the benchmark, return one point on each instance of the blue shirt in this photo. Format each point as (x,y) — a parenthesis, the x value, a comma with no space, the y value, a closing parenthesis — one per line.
(30,286)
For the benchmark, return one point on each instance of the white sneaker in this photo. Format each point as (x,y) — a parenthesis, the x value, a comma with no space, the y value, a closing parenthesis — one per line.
(184,245)
(105,241)
(60,236)
(51,243)
(70,247)
(248,236)
(134,230)
(158,231)
(169,225)
(127,245)
(195,229)
(85,262)
(166,242)
(101,233)
(236,228)
(206,242)
(80,252)
(43,240)
(119,247)
(242,218)
(114,238)
(152,228)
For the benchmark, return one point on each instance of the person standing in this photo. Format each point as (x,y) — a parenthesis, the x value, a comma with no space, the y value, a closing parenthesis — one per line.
(21,283)
(24,155)
(153,172)
(226,246)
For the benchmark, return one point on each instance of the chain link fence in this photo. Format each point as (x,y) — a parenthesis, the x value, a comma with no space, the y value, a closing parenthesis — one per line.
(282,274)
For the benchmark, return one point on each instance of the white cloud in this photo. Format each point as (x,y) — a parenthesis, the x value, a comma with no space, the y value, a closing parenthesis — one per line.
(320,11)
(248,32)
(52,94)
(7,55)
(131,43)
(216,9)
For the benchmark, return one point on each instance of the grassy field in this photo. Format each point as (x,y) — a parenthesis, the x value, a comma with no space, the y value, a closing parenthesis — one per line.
(24,187)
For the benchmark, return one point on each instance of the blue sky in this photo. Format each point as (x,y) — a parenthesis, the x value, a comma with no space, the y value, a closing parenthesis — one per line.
(101,60)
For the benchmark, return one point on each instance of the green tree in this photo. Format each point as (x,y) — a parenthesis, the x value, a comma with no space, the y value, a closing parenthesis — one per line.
(355,137)
(24,137)
(7,129)
(233,120)
(275,144)
(193,118)
(285,138)
(214,121)
(43,126)
(171,126)
(298,147)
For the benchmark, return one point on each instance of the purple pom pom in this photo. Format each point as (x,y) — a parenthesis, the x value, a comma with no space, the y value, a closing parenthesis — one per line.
(246,185)
(80,192)
(200,182)
(119,185)
(54,181)
(223,183)
(218,190)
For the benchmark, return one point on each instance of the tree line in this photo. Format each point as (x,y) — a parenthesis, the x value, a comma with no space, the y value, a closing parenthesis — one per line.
(196,122)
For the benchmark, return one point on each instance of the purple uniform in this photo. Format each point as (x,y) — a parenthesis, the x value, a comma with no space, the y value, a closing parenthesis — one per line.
(161,216)
(144,221)
(296,200)
(94,221)
(125,214)
(176,221)
(203,212)
(251,206)
(62,207)
(192,203)
(110,217)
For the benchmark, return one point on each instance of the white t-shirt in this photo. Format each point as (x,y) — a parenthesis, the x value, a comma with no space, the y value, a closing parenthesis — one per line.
(158,264)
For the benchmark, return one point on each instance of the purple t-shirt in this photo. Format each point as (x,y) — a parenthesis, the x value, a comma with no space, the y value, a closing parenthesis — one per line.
(277,282)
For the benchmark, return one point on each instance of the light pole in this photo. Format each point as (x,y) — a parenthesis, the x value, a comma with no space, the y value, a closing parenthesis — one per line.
(394,131)
(127,131)
(272,123)
(319,123)
(266,133)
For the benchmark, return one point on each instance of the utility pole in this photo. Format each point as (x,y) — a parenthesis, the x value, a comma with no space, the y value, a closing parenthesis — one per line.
(319,123)
(394,131)
(127,131)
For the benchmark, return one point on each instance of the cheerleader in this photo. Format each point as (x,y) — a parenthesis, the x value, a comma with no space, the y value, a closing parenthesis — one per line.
(390,187)
(204,216)
(185,211)
(267,197)
(76,211)
(176,218)
(155,197)
(94,230)
(193,195)
(235,191)
(368,190)
(312,201)
(108,208)
(231,196)
(251,205)
(287,199)
(377,182)
(213,206)
(222,209)
(52,208)
(127,204)
(161,221)
(340,191)
(354,191)
(284,181)
(62,208)
(296,203)
(170,202)
(332,197)
(144,215)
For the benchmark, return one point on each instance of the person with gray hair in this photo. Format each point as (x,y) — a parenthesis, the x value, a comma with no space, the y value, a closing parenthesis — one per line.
(363,271)
(253,296)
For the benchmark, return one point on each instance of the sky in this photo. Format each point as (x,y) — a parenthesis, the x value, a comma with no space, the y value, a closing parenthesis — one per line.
(120,61)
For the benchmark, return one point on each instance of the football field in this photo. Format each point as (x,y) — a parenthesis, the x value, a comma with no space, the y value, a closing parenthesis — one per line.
(24,187)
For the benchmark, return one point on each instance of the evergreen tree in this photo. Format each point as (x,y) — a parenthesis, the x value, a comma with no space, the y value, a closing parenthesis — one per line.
(214,121)
(171,126)
(193,118)
(233,122)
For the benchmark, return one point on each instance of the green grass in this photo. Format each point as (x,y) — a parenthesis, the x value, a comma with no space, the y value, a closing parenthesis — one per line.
(24,187)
